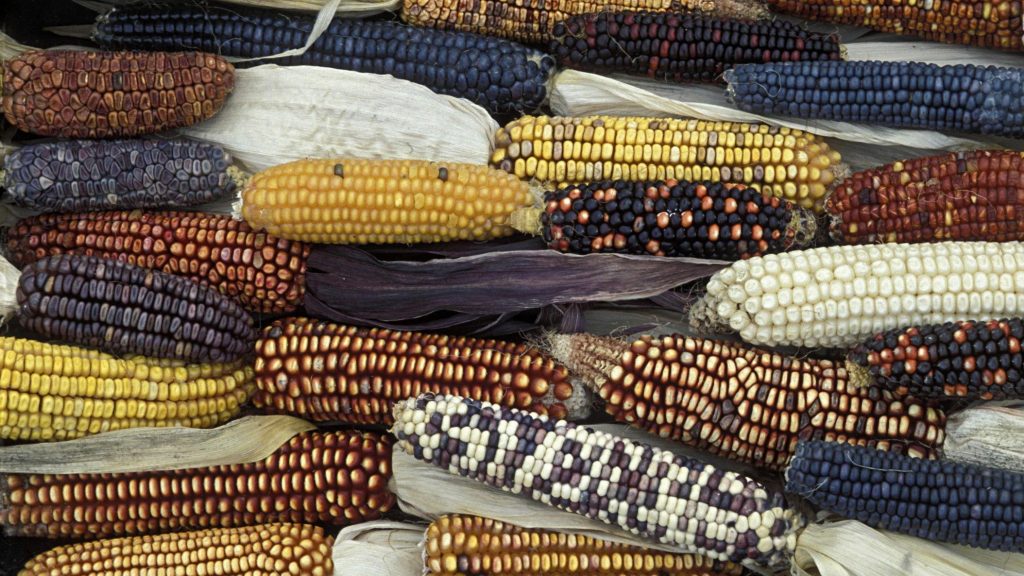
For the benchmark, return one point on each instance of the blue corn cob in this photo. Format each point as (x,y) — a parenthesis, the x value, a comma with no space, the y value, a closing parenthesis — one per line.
(937,500)
(965,98)
(500,75)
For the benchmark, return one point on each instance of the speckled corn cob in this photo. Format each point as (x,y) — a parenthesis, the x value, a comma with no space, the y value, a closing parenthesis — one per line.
(569,150)
(263,273)
(332,478)
(461,545)
(84,94)
(938,500)
(125,309)
(263,550)
(646,491)
(973,195)
(322,371)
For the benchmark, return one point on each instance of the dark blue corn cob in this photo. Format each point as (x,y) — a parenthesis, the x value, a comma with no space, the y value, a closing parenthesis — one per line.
(500,75)
(965,98)
(88,175)
(938,500)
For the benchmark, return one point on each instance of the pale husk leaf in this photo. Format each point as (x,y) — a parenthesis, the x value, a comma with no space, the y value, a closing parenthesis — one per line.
(9,47)
(9,275)
(989,434)
(347,8)
(893,48)
(244,440)
(381,547)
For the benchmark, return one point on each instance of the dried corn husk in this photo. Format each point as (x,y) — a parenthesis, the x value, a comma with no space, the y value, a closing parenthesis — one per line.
(9,47)
(379,547)
(895,48)
(989,434)
(347,8)
(281,113)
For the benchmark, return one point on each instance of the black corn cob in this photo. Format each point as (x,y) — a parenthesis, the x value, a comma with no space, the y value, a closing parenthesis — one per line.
(500,75)
(682,46)
(121,308)
(965,98)
(938,500)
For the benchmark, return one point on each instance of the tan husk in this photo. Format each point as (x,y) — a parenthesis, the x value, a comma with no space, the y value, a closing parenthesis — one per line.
(379,547)
(988,434)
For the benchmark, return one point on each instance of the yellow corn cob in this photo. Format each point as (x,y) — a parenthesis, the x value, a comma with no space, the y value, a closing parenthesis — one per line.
(383,201)
(783,162)
(56,392)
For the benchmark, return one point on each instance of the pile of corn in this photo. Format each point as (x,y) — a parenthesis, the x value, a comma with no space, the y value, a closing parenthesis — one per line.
(849,317)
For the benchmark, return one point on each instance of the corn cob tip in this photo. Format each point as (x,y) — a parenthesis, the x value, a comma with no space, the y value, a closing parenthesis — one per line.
(858,376)
(804,227)
(586,356)
(237,175)
(704,319)
(527,220)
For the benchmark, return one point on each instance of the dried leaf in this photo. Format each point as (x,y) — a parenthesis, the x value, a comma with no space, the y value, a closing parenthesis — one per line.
(381,547)
(989,434)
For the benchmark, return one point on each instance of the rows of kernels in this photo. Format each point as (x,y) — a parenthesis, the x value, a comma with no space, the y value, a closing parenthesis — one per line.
(646,491)
(317,477)
(838,296)
(262,550)
(782,162)
(383,201)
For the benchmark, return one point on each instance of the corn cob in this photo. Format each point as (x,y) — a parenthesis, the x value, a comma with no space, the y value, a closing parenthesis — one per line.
(263,273)
(840,295)
(956,196)
(533,21)
(964,98)
(499,75)
(682,46)
(460,545)
(652,493)
(382,201)
(742,403)
(83,175)
(992,24)
(568,150)
(322,371)
(80,94)
(937,500)
(331,478)
(55,392)
(124,309)
(260,550)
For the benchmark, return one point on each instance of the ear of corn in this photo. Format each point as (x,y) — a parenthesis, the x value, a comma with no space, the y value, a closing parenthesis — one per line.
(84,94)
(937,500)
(263,273)
(648,492)
(963,98)
(973,195)
(499,75)
(331,478)
(682,46)
(460,545)
(743,403)
(840,295)
(125,309)
(568,150)
(245,551)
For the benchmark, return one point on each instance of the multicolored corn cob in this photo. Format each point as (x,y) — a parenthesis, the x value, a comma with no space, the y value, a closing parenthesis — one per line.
(322,371)
(263,273)
(125,309)
(83,94)
(649,492)
(743,403)
(963,98)
(938,500)
(247,551)
(970,195)
(383,201)
(840,295)
(990,24)
(499,75)
(682,46)
(460,545)
(782,162)
(84,175)
(332,478)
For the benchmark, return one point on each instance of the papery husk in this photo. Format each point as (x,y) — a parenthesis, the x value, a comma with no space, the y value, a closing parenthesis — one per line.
(281,113)
(9,47)
(379,547)
(988,434)
(346,8)
(244,440)
(894,48)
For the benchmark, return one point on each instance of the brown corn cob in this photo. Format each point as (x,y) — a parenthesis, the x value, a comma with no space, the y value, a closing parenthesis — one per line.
(743,403)
(329,372)
(463,545)
(973,195)
(264,273)
(332,478)
(262,550)
(82,94)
